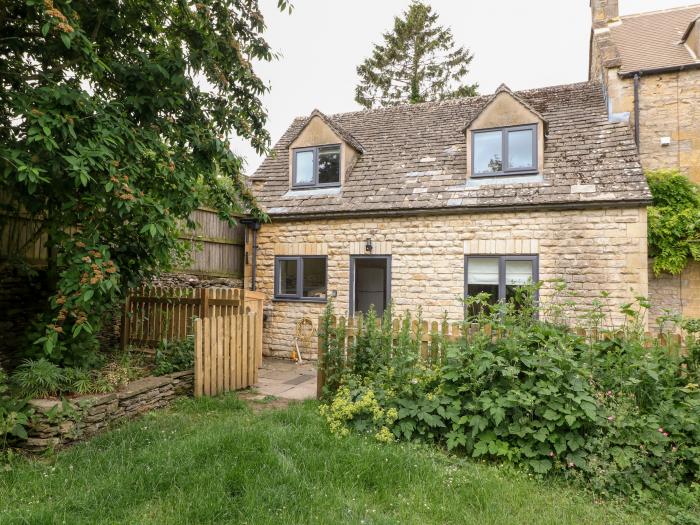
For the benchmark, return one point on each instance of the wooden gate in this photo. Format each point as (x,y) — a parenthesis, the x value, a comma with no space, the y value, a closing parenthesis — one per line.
(225,353)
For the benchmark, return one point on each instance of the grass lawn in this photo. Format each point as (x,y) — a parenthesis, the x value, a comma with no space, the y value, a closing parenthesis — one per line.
(215,461)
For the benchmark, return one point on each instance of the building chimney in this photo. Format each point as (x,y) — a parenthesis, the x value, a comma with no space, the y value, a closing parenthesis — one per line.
(603,12)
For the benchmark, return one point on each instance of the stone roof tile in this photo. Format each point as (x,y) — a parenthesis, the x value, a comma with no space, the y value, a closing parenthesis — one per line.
(415,159)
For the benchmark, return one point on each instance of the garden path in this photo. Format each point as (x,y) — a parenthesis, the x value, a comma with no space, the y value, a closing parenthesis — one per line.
(284,379)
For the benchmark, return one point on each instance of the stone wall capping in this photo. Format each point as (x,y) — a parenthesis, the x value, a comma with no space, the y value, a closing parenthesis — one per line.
(147,384)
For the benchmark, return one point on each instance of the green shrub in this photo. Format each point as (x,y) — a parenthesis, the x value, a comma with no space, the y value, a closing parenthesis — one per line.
(621,411)
(174,356)
(43,378)
(39,378)
(674,221)
(14,415)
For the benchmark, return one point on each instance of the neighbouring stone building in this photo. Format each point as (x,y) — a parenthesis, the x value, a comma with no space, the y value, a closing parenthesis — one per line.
(419,205)
(649,67)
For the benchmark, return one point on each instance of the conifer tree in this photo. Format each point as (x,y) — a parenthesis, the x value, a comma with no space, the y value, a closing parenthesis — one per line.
(417,62)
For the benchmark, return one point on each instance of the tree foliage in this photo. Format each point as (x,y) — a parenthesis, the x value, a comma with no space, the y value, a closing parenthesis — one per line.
(418,62)
(674,221)
(114,117)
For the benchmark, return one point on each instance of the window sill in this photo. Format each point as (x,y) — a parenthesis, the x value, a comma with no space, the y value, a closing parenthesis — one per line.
(312,191)
(479,182)
(314,187)
(505,174)
(299,300)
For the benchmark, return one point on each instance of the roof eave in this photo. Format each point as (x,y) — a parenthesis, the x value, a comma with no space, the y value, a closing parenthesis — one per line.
(657,70)
(461,210)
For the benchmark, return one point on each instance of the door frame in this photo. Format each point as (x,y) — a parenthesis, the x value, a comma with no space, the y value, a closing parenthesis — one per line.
(354,258)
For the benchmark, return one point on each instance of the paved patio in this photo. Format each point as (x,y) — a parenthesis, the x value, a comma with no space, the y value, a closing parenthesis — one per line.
(286,379)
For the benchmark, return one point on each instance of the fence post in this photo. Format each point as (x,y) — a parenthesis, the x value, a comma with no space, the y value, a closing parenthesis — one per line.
(205,303)
(198,359)
(321,372)
(125,323)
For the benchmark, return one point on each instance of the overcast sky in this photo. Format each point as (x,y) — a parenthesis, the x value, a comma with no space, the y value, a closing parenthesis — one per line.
(526,44)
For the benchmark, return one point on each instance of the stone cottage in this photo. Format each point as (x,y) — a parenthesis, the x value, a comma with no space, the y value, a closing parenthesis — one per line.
(649,68)
(425,203)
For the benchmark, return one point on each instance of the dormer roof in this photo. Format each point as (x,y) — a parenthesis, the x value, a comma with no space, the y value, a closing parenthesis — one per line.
(489,100)
(334,126)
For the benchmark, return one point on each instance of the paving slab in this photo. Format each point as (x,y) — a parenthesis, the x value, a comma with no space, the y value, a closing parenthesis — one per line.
(286,379)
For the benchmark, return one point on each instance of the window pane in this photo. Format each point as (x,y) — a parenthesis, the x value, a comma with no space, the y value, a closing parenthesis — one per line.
(520,149)
(518,272)
(482,277)
(482,270)
(491,289)
(314,281)
(304,167)
(288,277)
(328,164)
(487,152)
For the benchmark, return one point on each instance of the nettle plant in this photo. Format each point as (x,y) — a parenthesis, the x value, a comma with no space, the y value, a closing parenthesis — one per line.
(617,408)
(115,124)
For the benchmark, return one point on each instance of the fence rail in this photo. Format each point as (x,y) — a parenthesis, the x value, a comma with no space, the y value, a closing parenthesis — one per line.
(217,248)
(226,356)
(152,314)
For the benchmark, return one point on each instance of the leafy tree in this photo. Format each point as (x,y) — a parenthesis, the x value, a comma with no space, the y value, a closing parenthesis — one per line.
(417,62)
(674,221)
(114,118)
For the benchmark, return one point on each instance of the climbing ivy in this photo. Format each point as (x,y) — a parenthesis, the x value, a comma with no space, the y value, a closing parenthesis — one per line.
(674,221)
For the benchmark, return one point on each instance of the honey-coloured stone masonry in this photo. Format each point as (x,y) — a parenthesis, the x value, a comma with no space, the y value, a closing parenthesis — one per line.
(591,249)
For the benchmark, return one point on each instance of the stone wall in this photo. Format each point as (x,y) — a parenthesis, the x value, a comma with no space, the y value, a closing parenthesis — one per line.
(57,423)
(664,295)
(592,250)
(669,106)
(675,294)
(185,280)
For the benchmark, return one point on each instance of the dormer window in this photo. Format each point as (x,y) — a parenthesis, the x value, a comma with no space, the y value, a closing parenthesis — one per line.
(317,166)
(504,151)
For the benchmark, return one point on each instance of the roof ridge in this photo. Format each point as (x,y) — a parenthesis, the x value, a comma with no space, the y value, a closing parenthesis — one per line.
(659,11)
(408,105)
(458,100)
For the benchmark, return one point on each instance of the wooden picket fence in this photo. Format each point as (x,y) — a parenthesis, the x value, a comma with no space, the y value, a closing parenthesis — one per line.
(153,314)
(435,335)
(225,353)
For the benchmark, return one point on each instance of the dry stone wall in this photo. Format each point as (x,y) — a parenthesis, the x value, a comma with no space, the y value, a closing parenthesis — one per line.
(59,423)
